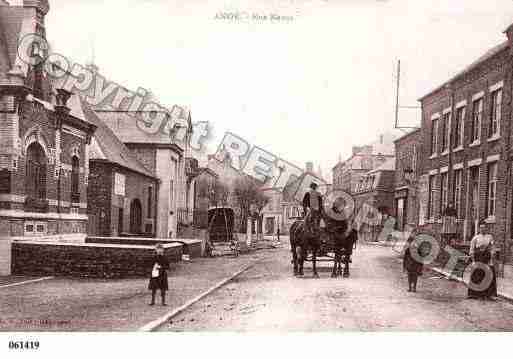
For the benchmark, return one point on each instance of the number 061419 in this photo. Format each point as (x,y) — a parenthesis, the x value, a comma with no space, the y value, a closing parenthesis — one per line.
(24,345)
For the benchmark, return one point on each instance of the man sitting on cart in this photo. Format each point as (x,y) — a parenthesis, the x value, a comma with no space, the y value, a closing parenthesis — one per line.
(312,209)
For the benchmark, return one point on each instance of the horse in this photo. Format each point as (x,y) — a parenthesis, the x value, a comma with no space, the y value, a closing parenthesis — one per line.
(302,240)
(342,243)
(343,248)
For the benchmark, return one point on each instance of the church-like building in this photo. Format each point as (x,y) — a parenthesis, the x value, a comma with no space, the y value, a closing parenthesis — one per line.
(44,137)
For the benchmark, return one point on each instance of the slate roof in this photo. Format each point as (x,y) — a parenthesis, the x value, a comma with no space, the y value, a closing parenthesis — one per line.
(486,56)
(126,127)
(112,148)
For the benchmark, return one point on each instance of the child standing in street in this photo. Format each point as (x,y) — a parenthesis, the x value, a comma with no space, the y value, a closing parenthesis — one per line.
(158,279)
(412,263)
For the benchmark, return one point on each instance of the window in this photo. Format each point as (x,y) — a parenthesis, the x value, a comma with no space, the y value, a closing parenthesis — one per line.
(477,111)
(443,191)
(458,184)
(492,189)
(446,131)
(75,179)
(119,184)
(35,185)
(414,159)
(458,127)
(495,113)
(431,197)
(434,136)
(150,201)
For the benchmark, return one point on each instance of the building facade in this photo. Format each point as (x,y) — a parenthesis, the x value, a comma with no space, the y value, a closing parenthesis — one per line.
(376,190)
(161,156)
(466,153)
(44,137)
(122,193)
(407,168)
(347,174)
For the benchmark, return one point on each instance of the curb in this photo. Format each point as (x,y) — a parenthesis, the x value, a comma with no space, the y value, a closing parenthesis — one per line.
(25,282)
(152,326)
(449,276)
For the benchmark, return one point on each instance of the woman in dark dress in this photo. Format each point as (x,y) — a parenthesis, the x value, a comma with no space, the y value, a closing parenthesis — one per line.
(481,252)
(412,264)
(158,278)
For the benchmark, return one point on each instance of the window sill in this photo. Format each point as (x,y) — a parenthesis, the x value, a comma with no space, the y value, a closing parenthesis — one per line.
(457,149)
(434,155)
(474,144)
(494,138)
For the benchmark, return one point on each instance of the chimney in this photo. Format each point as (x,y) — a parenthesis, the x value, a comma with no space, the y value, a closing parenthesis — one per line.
(509,34)
(309,167)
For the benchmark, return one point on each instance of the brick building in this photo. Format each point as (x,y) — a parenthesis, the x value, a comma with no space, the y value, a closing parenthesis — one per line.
(466,152)
(161,156)
(122,193)
(347,174)
(407,169)
(43,143)
(376,189)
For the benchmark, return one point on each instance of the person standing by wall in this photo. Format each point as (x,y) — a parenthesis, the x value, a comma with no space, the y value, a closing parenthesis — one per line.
(483,278)
(158,279)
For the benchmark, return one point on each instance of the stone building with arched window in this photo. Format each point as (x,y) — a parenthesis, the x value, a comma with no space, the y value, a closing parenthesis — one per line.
(43,139)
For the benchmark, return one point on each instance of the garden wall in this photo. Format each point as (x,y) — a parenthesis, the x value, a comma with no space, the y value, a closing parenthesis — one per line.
(190,246)
(87,259)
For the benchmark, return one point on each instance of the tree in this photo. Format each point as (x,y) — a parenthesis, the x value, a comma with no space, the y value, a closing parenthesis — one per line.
(247,193)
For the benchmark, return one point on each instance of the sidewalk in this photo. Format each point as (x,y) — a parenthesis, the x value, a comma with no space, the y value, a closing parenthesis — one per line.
(69,304)
(504,284)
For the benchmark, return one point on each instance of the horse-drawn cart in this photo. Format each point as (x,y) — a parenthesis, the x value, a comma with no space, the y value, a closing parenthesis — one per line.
(330,245)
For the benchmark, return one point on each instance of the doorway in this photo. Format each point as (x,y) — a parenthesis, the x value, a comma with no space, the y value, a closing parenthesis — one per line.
(473,180)
(269,225)
(135,217)
(401,213)
(120,221)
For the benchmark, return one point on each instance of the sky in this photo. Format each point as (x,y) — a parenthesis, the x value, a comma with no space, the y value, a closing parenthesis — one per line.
(306,87)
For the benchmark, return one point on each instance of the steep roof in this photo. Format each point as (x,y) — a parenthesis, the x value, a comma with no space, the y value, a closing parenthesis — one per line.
(486,56)
(112,149)
(130,130)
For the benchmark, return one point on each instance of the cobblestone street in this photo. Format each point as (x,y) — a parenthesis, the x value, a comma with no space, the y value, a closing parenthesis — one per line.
(374,298)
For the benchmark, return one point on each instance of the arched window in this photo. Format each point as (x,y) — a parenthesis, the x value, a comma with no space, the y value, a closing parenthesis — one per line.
(35,177)
(75,179)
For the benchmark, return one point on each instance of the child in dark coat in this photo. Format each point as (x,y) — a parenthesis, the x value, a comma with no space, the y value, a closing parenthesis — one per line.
(158,279)
(412,264)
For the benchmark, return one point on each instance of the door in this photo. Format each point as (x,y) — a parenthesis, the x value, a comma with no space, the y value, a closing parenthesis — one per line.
(474,200)
(269,225)
(401,213)
(135,217)
(120,221)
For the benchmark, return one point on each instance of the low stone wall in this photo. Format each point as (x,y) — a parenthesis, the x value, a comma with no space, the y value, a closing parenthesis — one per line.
(190,246)
(87,260)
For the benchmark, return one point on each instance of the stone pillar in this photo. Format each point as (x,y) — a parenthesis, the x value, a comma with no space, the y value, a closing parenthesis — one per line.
(249,235)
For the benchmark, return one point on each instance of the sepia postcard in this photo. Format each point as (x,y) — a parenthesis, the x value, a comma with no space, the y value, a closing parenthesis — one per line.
(323,169)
